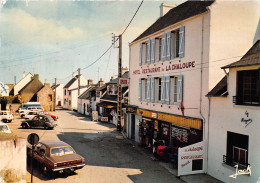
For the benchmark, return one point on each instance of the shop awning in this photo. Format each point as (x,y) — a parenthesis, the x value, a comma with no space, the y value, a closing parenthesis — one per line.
(108,105)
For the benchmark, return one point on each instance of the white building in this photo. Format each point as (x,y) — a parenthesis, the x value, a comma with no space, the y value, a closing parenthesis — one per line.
(87,101)
(24,81)
(59,94)
(70,92)
(176,63)
(4,89)
(234,121)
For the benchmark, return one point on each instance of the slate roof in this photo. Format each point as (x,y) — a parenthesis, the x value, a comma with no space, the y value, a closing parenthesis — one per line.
(55,86)
(114,81)
(71,81)
(25,86)
(251,58)
(86,94)
(179,13)
(220,90)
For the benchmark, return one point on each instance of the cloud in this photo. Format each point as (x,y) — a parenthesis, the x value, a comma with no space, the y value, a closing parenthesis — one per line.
(18,26)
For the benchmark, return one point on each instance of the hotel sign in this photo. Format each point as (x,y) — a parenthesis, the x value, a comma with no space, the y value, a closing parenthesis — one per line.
(167,67)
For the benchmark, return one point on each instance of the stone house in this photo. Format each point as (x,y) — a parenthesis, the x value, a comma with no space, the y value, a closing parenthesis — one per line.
(46,97)
(27,93)
(22,83)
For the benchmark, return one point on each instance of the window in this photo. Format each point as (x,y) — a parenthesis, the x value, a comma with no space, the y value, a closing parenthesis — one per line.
(145,88)
(174,90)
(237,149)
(159,88)
(248,88)
(65,92)
(69,93)
(69,102)
(158,49)
(49,98)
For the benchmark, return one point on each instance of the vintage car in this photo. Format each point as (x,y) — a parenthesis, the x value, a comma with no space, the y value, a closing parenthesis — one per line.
(39,121)
(6,116)
(4,128)
(55,117)
(55,156)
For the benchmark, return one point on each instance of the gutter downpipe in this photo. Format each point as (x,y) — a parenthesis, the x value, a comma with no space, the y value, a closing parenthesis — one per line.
(201,70)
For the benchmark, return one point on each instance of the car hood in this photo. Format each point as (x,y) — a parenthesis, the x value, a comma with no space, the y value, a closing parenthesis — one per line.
(65,158)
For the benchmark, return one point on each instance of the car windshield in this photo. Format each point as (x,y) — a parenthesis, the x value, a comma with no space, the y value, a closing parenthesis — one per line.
(3,128)
(60,151)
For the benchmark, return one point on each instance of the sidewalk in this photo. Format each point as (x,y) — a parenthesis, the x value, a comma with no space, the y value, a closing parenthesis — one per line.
(197,178)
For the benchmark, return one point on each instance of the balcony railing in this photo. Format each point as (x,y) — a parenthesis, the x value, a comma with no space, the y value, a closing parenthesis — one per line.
(230,161)
(253,101)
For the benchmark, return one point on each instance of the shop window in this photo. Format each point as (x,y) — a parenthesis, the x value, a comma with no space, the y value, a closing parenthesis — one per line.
(237,150)
(248,84)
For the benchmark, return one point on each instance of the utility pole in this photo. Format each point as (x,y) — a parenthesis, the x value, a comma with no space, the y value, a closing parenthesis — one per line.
(119,88)
(55,87)
(78,81)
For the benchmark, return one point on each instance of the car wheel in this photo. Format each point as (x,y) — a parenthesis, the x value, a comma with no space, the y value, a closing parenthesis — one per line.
(9,121)
(22,116)
(4,120)
(46,127)
(51,128)
(24,126)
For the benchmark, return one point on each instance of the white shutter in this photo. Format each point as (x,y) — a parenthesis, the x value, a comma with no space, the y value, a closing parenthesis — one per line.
(163,89)
(148,89)
(167,89)
(180,89)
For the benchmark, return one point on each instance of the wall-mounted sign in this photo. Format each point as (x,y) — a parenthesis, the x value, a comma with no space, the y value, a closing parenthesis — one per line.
(123,81)
(167,67)
(246,120)
(191,159)
(154,115)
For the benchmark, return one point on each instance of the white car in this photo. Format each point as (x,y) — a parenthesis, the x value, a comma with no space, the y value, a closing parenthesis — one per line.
(4,128)
(6,116)
(29,109)
(31,114)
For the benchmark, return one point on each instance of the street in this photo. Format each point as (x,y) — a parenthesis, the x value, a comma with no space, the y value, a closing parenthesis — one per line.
(109,156)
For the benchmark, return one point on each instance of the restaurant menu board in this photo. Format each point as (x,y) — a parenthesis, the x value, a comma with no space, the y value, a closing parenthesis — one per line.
(180,133)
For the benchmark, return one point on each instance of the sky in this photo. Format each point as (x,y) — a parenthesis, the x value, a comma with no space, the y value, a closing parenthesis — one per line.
(55,38)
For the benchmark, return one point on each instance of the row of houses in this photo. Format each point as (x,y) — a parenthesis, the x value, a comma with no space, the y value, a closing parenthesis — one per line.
(31,89)
(193,83)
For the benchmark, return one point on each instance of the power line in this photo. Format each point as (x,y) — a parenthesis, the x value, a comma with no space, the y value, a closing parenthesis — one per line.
(133,17)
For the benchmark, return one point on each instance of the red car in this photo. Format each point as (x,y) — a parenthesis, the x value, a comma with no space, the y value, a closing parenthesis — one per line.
(51,115)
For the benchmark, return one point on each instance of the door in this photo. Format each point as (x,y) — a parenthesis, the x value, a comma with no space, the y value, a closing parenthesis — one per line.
(84,110)
(132,126)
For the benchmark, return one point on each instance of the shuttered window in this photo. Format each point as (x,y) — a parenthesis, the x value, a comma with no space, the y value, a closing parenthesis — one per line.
(180,89)
(181,41)
(152,89)
(140,54)
(153,46)
(164,49)
(140,90)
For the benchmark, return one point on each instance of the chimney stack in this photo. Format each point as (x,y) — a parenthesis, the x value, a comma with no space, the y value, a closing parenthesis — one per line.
(165,7)
(36,76)
(101,82)
(90,82)
(47,84)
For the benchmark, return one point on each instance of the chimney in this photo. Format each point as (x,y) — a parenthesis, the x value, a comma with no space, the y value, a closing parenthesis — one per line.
(90,82)
(101,82)
(36,76)
(112,78)
(165,7)
(47,84)
(124,69)
(23,74)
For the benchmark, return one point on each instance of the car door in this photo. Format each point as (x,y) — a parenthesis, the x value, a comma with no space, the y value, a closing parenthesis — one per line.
(41,121)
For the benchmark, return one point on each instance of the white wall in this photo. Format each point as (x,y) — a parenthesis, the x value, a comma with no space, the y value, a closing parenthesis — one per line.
(59,94)
(13,161)
(225,116)
(22,83)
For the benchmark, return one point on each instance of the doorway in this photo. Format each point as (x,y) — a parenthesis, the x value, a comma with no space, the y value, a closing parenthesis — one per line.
(132,126)
(84,110)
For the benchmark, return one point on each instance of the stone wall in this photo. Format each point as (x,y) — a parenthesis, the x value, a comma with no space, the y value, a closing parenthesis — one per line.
(46,96)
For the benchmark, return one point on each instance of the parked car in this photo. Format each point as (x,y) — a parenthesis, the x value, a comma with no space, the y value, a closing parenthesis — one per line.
(29,109)
(51,115)
(6,116)
(4,128)
(39,121)
(56,156)
(31,114)
(25,106)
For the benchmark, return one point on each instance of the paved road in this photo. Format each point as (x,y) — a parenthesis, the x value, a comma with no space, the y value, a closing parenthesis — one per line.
(109,157)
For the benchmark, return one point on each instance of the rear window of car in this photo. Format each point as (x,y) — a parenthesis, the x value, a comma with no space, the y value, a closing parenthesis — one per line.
(61,151)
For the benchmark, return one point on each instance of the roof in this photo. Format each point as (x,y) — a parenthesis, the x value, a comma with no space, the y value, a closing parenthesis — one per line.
(71,81)
(113,98)
(220,90)
(107,104)
(251,58)
(54,143)
(81,87)
(181,12)
(55,86)
(114,81)
(86,94)
(25,86)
